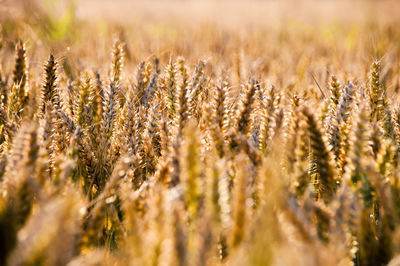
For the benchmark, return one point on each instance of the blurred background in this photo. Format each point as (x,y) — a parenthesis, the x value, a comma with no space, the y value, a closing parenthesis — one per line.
(293,33)
(58,19)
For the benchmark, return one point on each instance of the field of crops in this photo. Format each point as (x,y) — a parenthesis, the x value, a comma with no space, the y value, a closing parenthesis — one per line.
(199,132)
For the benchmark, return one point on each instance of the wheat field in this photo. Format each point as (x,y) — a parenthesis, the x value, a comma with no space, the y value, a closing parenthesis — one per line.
(199,132)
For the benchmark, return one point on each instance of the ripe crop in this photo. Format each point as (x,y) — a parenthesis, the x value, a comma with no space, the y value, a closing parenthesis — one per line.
(190,143)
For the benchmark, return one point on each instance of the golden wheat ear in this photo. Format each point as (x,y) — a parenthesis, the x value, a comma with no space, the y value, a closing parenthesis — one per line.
(335,91)
(222,102)
(84,115)
(143,80)
(171,95)
(19,91)
(346,104)
(118,57)
(244,119)
(320,171)
(183,97)
(49,91)
(20,72)
(332,121)
(267,108)
(358,151)
(108,126)
(377,92)
(196,88)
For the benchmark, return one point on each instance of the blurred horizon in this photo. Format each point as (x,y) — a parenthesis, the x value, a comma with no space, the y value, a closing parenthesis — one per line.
(243,11)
